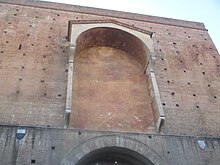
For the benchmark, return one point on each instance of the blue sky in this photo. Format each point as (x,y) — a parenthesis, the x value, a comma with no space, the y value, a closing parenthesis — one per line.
(206,11)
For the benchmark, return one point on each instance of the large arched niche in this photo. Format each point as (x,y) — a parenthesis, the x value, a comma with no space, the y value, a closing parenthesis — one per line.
(108,149)
(109,88)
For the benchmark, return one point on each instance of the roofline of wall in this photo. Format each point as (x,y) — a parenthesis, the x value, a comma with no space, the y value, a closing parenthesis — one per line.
(108,13)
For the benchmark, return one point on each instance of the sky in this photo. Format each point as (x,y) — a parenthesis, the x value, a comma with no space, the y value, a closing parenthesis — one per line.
(205,11)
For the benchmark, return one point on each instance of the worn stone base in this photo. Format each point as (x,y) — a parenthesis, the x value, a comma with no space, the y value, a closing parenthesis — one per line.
(62,146)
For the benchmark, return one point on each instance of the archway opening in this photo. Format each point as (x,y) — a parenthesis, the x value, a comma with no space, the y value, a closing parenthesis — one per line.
(114,156)
(110,89)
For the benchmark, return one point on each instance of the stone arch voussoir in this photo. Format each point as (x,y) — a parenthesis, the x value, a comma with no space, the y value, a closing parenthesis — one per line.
(100,142)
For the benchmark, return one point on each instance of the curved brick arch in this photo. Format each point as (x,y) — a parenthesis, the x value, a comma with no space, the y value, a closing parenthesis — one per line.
(76,28)
(81,150)
(115,38)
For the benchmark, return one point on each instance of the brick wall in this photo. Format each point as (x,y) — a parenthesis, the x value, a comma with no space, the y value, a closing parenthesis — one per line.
(33,66)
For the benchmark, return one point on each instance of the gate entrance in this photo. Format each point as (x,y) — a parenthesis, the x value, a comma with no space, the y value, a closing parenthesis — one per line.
(114,156)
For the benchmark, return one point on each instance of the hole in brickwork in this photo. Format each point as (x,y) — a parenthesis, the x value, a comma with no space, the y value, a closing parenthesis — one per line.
(181,61)
(42,81)
(158,41)
(188,83)
(66,70)
(5,31)
(168,152)
(185,32)
(160,50)
(203,73)
(205,39)
(54,19)
(177,52)
(44,56)
(17,9)
(209,85)
(184,71)
(149,136)
(197,106)
(64,51)
(44,68)
(46,46)
(45,94)
(36,17)
(197,54)
(162,59)
(28,35)
(172,93)
(17,92)
(169,33)
(168,81)
(163,104)
(76,17)
(51,28)
(30,25)
(58,15)
(177,105)
(200,63)
(150,27)
(15,14)
(59,95)
(2,51)
(49,37)
(20,47)
(32,44)
(7,42)
(22,67)
(53,147)
(189,37)
(194,95)
(164,68)
(213,56)
(9,23)
(33,161)
(174,43)
(20,79)
(215,97)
